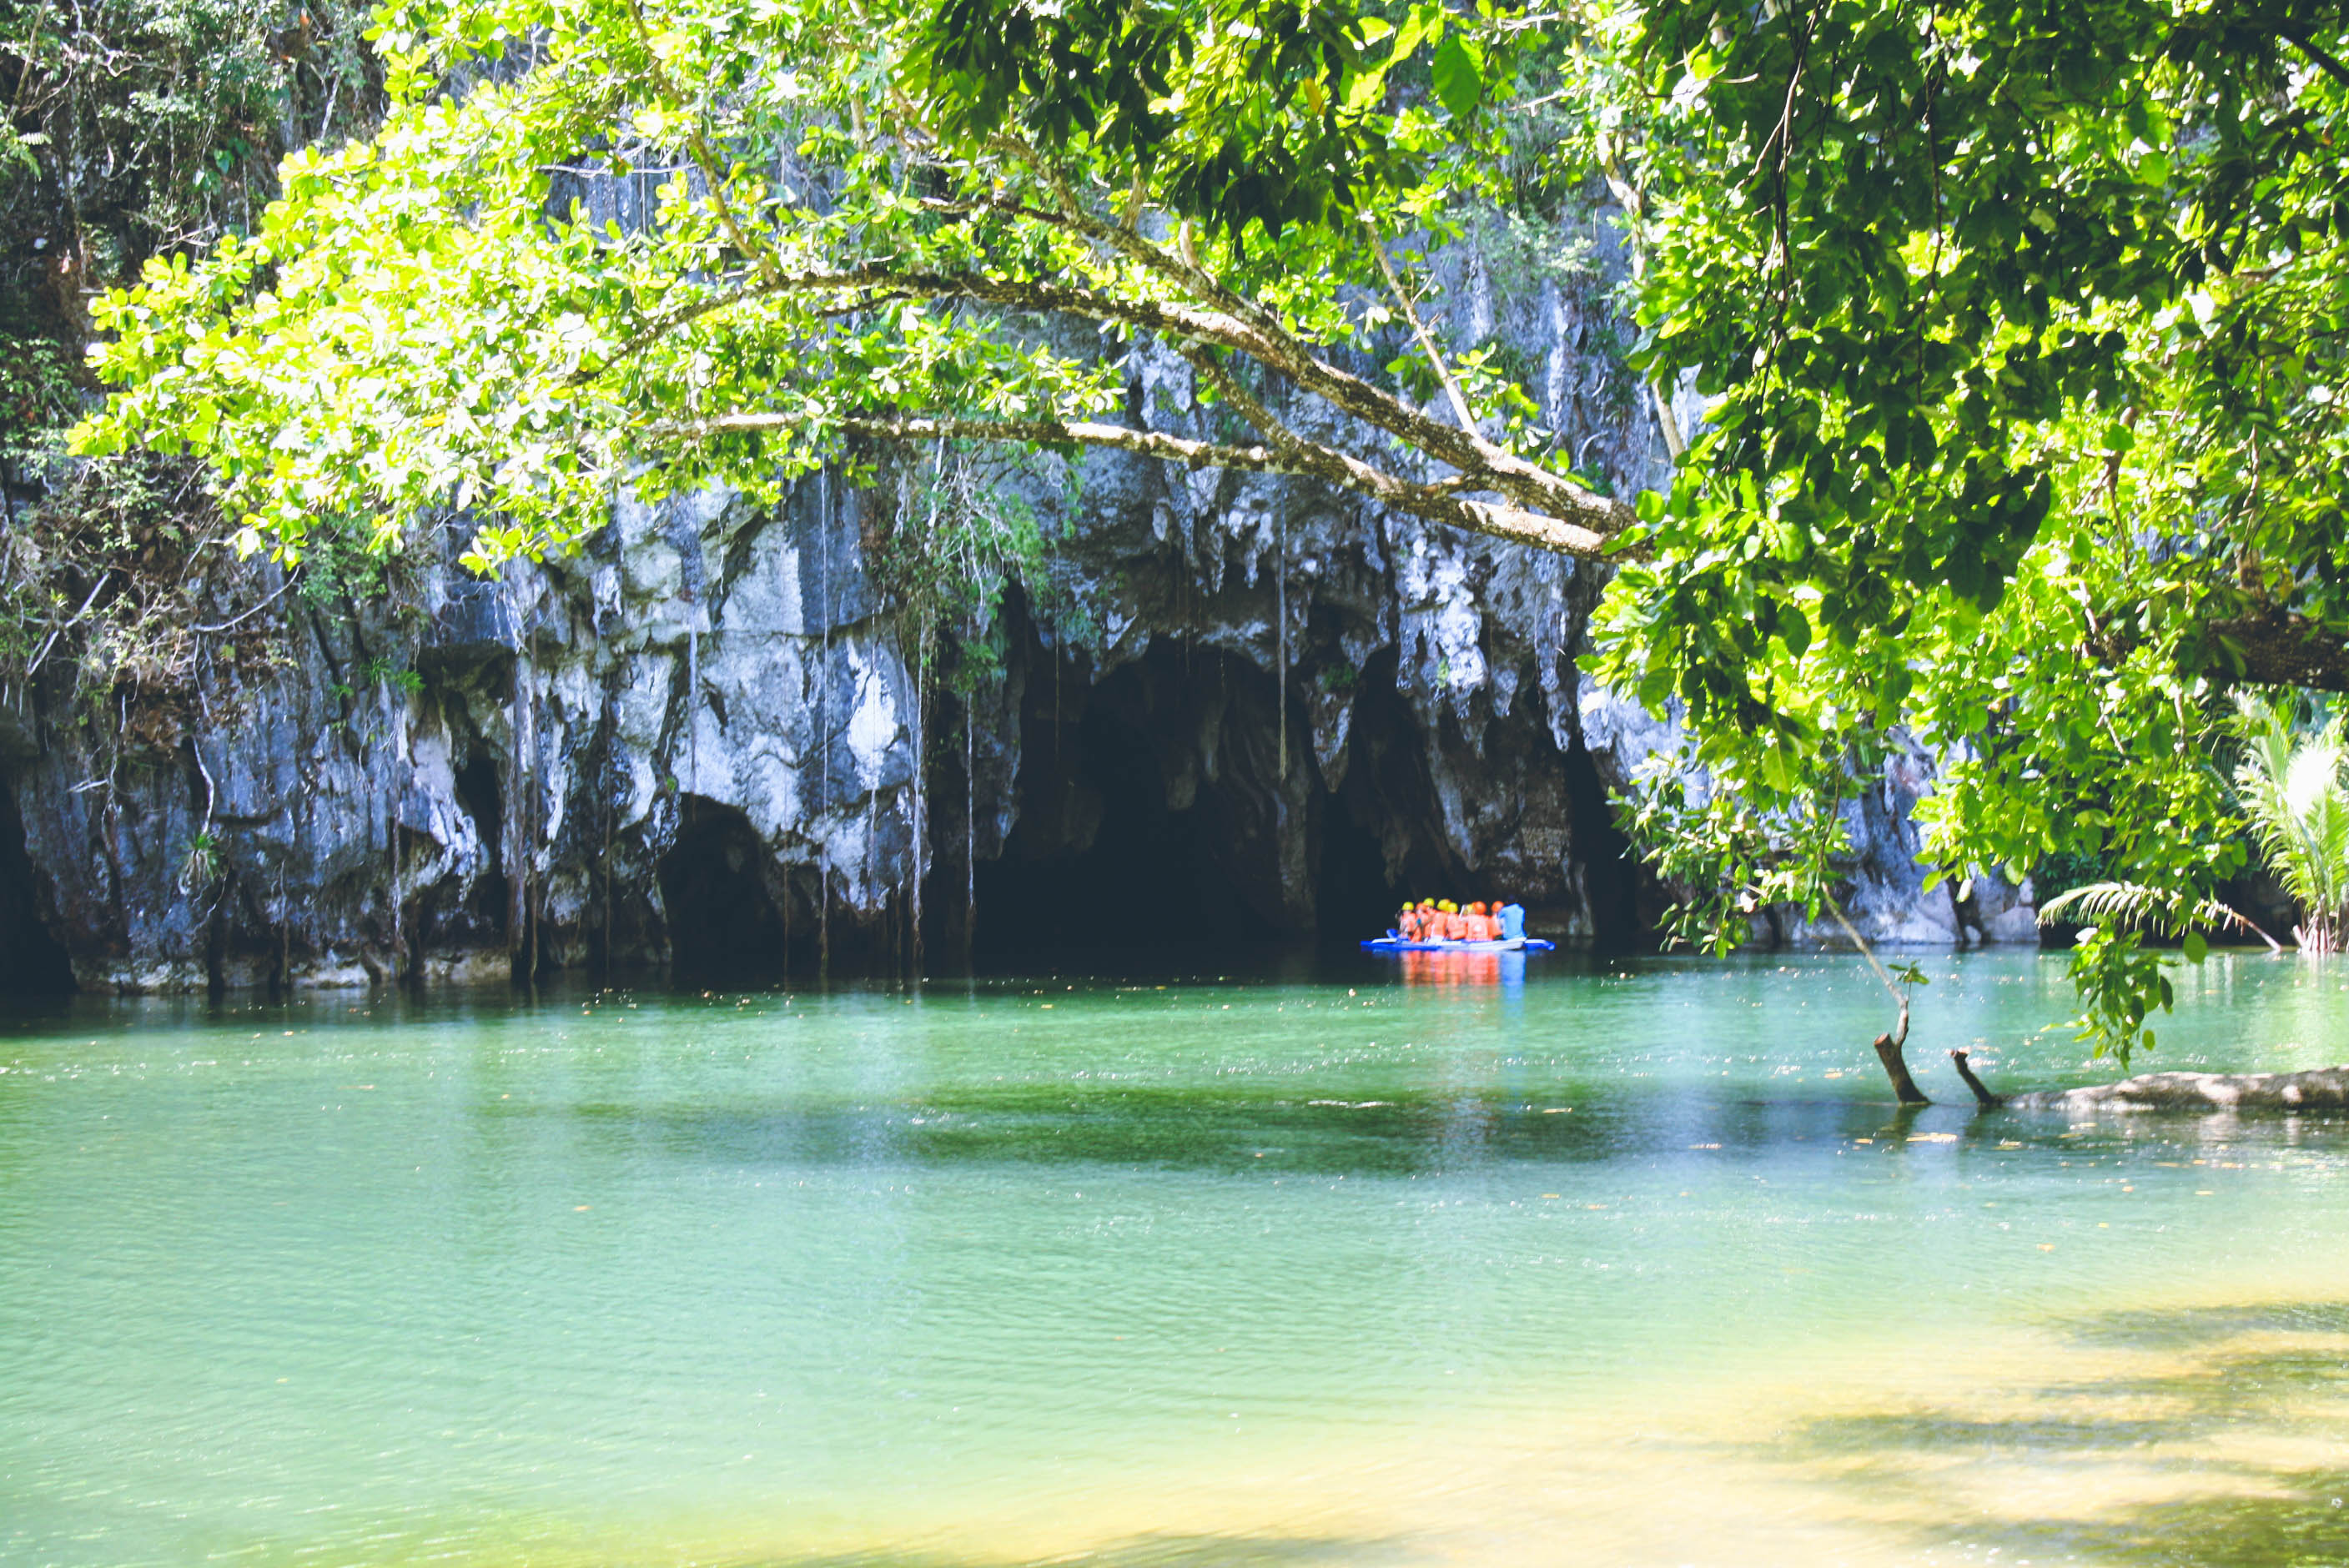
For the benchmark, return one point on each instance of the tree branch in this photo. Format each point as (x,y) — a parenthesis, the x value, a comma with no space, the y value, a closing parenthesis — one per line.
(1534,491)
(698,145)
(1434,502)
(2325,59)
(1418,330)
(1227,386)
(1273,345)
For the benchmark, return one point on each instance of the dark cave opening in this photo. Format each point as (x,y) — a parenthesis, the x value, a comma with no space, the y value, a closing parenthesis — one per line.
(721,890)
(31,961)
(1610,872)
(477,791)
(1353,898)
(1386,780)
(1099,860)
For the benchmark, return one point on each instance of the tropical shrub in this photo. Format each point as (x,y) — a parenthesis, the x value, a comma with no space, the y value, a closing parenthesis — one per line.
(2290,782)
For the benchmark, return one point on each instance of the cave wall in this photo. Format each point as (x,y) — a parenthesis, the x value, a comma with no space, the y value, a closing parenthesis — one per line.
(1261,709)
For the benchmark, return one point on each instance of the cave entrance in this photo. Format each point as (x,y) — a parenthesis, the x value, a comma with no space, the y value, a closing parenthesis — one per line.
(1100,861)
(487,906)
(722,890)
(1353,898)
(31,961)
(1610,872)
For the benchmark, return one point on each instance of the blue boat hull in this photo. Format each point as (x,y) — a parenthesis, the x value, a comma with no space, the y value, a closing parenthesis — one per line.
(1397,944)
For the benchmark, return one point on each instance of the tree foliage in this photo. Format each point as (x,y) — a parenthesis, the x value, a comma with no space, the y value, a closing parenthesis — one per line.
(132,127)
(2019,332)
(844,227)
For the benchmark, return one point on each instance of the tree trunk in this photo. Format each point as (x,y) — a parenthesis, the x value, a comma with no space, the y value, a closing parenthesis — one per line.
(1896,1067)
(1887,1046)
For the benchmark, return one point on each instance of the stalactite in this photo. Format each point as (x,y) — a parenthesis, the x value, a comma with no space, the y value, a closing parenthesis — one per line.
(871,825)
(391,848)
(1281,612)
(609,793)
(517,856)
(921,780)
(970,827)
(536,810)
(1188,595)
(823,723)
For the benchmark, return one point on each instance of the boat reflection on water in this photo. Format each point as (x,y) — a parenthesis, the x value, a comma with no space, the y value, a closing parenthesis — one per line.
(1476,970)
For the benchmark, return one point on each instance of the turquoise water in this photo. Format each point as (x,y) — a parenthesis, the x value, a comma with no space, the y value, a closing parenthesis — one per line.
(1565,1263)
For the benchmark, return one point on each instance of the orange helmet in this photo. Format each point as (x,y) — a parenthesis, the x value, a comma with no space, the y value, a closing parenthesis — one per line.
(1478,908)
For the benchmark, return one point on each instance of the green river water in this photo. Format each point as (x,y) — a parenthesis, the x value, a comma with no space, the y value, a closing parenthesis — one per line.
(1573,1264)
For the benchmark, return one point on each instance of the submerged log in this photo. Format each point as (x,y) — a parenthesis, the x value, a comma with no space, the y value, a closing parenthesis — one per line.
(2319,1088)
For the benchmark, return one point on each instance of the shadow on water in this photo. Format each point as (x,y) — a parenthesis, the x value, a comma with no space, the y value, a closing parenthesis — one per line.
(2182,1425)
(2171,1328)
(1394,1131)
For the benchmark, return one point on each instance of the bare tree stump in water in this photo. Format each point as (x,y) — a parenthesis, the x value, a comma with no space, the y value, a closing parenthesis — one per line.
(1896,1067)
(1982,1096)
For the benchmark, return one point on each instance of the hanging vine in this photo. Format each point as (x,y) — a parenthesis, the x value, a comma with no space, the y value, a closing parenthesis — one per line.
(960,533)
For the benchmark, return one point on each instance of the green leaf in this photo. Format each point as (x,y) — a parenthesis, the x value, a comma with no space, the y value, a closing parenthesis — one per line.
(1459,76)
(1794,629)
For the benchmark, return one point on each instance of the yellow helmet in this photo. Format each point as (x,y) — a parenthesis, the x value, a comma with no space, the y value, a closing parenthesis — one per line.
(1448,907)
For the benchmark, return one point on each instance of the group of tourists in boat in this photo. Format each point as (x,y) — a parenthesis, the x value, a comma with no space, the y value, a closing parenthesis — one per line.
(1440,919)
(1440,923)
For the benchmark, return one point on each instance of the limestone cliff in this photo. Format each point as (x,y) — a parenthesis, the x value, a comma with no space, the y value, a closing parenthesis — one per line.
(1250,705)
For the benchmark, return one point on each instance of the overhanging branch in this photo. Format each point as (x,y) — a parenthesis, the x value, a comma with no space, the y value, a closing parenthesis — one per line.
(1532,493)
(1437,503)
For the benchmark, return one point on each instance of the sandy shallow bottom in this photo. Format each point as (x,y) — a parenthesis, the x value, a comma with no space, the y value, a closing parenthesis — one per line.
(2030,1447)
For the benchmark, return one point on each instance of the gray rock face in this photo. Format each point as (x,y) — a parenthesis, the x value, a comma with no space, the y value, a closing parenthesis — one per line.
(1252,703)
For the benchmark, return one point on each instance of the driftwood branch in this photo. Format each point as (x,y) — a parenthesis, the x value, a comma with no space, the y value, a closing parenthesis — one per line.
(2317,1088)
(1982,1093)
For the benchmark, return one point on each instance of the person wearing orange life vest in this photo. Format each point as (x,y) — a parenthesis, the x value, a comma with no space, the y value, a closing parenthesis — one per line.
(1480,924)
(1407,923)
(1447,920)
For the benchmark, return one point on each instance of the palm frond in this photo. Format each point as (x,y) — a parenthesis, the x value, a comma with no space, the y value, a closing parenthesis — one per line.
(2165,911)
